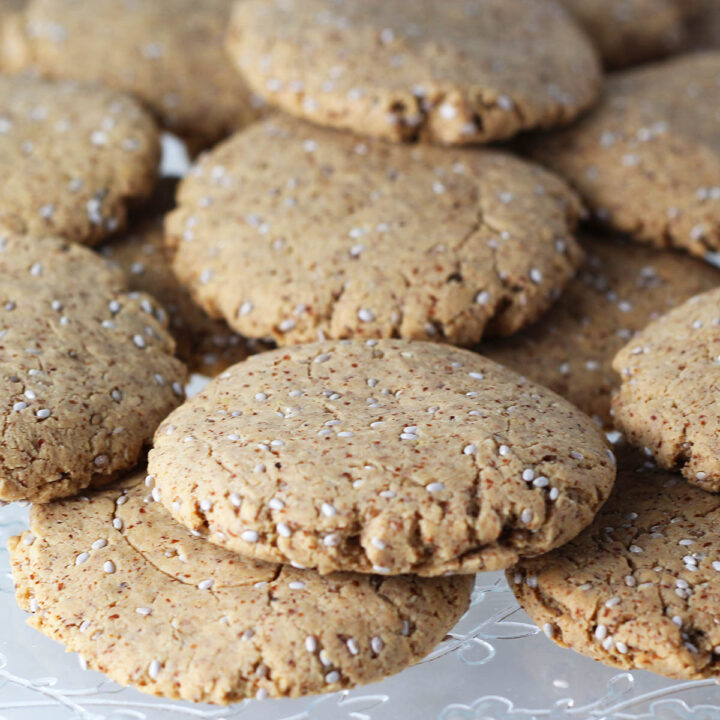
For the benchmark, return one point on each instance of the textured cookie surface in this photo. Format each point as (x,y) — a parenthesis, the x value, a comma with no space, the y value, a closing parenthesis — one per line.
(73,156)
(207,346)
(294,232)
(86,370)
(618,291)
(647,160)
(446,71)
(640,588)
(152,606)
(668,400)
(169,53)
(388,456)
(627,32)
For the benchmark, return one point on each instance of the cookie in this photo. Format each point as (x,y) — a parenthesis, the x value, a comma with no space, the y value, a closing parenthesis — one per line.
(667,401)
(207,346)
(628,32)
(385,456)
(154,607)
(443,71)
(86,370)
(168,53)
(621,287)
(73,158)
(647,160)
(293,232)
(704,31)
(640,587)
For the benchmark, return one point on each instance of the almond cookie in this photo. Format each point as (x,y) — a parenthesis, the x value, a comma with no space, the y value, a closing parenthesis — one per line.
(647,160)
(445,71)
(292,232)
(195,622)
(618,291)
(207,346)
(73,157)
(385,456)
(640,588)
(667,402)
(86,370)
(169,53)
(627,32)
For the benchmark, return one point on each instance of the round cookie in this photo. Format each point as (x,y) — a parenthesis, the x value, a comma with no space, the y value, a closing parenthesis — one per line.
(207,346)
(168,53)
(293,232)
(195,622)
(86,370)
(627,32)
(621,287)
(385,456)
(445,71)
(73,157)
(640,588)
(667,402)
(647,160)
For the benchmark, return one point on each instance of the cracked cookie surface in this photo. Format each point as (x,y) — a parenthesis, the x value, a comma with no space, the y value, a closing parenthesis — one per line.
(668,402)
(168,53)
(627,32)
(639,587)
(294,232)
(619,289)
(385,456)
(206,345)
(647,159)
(444,71)
(152,606)
(86,370)
(73,157)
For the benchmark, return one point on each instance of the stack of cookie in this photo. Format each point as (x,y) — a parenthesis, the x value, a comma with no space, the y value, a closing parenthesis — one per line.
(350,267)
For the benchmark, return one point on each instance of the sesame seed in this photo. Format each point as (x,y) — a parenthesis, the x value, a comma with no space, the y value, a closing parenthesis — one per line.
(109,567)
(469,449)
(621,647)
(328,510)
(296,585)
(526,516)
(99,544)
(235,500)
(528,475)
(283,529)
(332,677)
(548,629)
(205,584)
(352,646)
(434,487)
(144,611)
(377,645)
(276,504)
(81,558)
(601,632)
(476,375)
(378,543)
(154,669)
(331,540)
(249,536)
(310,644)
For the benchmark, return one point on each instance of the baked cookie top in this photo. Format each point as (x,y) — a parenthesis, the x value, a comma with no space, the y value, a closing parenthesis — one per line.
(620,288)
(206,345)
(627,32)
(294,232)
(444,71)
(639,588)
(169,53)
(384,456)
(190,620)
(647,159)
(73,157)
(86,370)
(667,402)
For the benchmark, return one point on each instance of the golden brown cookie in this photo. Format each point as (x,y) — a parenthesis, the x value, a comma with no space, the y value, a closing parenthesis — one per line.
(647,160)
(294,232)
(668,400)
(169,53)
(621,287)
(86,370)
(145,602)
(385,456)
(73,158)
(445,71)
(627,32)
(640,588)
(207,346)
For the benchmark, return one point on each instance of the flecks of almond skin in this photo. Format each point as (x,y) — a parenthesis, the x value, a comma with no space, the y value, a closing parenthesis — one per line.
(86,371)
(639,588)
(192,621)
(450,73)
(384,456)
(293,232)
(621,287)
(667,402)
